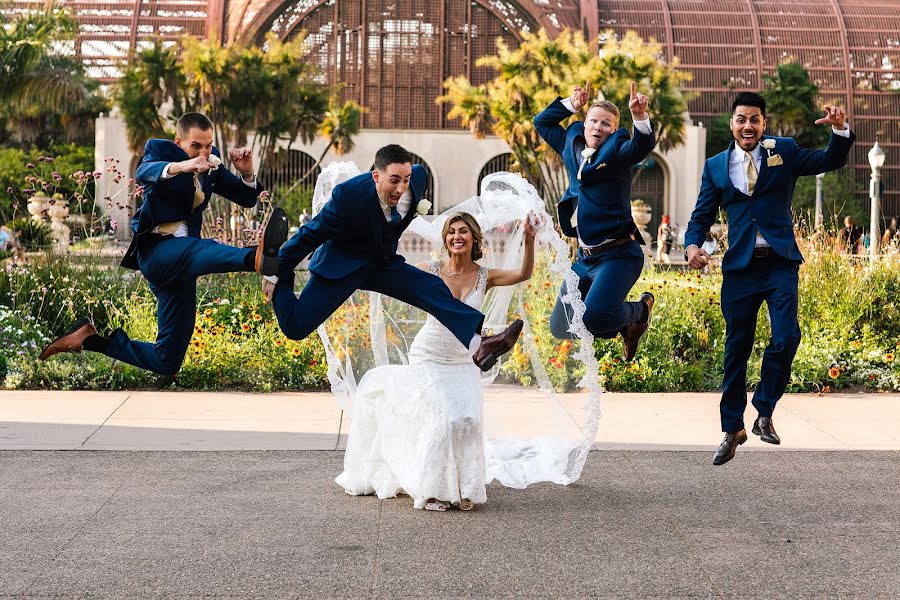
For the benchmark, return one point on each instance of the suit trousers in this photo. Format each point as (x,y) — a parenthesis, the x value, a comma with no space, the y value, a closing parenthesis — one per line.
(604,280)
(171,266)
(773,281)
(300,316)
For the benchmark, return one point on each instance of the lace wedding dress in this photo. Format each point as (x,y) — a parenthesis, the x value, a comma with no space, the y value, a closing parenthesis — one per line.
(417,429)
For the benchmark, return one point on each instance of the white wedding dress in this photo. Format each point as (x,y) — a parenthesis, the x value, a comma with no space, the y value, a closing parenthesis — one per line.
(417,429)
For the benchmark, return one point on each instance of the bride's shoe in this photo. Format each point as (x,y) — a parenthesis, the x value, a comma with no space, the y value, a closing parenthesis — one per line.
(466,504)
(435,505)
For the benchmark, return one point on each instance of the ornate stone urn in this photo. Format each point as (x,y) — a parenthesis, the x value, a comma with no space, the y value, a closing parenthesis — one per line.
(38,206)
(641,213)
(58,211)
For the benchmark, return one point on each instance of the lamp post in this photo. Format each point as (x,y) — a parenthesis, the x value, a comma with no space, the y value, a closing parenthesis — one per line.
(876,161)
(820,178)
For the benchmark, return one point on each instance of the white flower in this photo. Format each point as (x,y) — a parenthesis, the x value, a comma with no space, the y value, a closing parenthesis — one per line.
(768,144)
(423,207)
(587,153)
(215,161)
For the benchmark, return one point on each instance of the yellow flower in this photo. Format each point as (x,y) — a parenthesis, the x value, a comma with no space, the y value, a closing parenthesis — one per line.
(208,311)
(296,351)
(889,357)
(834,372)
(245,327)
(257,317)
(279,342)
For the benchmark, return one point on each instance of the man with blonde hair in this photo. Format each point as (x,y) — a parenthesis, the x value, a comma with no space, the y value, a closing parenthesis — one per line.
(596,208)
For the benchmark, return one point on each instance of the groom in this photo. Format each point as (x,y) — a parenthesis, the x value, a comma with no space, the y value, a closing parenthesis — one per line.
(179,177)
(753,180)
(355,238)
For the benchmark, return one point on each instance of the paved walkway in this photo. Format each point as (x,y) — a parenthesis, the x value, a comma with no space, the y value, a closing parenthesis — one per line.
(257,514)
(311,421)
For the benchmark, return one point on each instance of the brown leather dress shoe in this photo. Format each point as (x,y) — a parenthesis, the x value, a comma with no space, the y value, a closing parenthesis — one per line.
(495,346)
(765,429)
(273,237)
(632,333)
(72,341)
(729,446)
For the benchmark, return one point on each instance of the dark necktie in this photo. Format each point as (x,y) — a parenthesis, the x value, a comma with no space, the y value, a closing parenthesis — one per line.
(395,215)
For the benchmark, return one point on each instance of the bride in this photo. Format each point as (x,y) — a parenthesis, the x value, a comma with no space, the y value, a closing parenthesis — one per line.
(418,429)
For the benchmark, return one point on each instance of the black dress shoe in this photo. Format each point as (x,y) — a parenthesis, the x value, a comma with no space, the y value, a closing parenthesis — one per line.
(632,333)
(495,346)
(273,236)
(765,429)
(729,446)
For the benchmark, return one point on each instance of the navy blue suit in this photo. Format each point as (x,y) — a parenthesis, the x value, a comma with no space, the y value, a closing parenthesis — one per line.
(356,248)
(171,264)
(603,197)
(748,282)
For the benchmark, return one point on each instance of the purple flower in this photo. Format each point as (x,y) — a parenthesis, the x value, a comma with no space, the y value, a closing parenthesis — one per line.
(29,166)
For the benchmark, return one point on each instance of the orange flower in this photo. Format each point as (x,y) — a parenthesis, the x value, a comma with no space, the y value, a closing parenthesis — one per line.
(889,357)
(834,372)
(296,351)
(279,343)
(257,317)
(245,327)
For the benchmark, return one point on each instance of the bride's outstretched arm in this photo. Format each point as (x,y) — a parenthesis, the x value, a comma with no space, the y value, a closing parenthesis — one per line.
(498,277)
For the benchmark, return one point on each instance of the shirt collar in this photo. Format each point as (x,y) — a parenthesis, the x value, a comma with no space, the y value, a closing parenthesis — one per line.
(738,155)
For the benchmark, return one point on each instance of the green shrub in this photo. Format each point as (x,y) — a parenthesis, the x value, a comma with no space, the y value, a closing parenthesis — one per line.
(34,236)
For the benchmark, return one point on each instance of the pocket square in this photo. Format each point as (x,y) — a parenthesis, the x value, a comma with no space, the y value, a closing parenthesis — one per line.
(600,166)
(774,160)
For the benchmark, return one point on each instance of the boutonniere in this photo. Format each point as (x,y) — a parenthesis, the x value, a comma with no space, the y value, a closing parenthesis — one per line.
(423,207)
(215,161)
(772,160)
(586,155)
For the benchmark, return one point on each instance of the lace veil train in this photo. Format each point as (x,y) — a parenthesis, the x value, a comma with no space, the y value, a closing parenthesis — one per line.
(545,435)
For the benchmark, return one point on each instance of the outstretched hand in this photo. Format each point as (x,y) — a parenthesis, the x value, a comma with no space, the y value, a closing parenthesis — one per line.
(580,96)
(638,104)
(834,116)
(531,226)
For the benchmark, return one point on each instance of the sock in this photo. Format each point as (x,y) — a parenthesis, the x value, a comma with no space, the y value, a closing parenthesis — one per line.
(96,343)
(250,259)
(645,313)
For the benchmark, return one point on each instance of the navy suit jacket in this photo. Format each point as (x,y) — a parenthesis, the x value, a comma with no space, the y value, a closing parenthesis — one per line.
(768,210)
(172,199)
(350,232)
(604,191)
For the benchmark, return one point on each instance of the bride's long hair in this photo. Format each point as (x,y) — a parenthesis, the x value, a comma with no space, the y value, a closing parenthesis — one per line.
(478,242)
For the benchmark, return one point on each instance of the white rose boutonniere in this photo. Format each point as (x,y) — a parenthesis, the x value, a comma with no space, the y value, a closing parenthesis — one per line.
(586,155)
(772,160)
(215,161)
(423,207)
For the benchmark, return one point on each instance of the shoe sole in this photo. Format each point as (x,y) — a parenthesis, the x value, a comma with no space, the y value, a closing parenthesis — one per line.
(78,325)
(274,237)
(491,359)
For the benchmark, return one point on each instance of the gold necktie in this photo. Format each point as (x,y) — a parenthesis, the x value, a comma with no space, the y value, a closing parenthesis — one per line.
(199,197)
(751,173)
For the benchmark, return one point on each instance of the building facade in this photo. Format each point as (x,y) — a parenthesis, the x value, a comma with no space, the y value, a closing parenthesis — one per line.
(393,55)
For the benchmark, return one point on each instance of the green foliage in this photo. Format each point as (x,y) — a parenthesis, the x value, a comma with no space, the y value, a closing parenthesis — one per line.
(294,200)
(838,200)
(534,74)
(14,171)
(45,96)
(718,134)
(34,236)
(849,317)
(791,106)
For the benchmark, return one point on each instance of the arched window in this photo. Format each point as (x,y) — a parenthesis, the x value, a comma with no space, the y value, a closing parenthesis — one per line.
(429,182)
(500,162)
(650,186)
(285,168)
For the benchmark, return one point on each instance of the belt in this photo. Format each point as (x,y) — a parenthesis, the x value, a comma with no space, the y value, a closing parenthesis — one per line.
(763,253)
(593,250)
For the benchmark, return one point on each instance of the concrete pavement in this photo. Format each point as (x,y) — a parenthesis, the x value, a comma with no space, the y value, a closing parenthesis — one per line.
(256,513)
(310,421)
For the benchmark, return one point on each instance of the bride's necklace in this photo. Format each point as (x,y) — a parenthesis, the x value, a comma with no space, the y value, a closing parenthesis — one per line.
(450,273)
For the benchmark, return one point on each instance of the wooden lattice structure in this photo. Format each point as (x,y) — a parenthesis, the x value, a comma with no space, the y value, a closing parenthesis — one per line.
(393,55)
